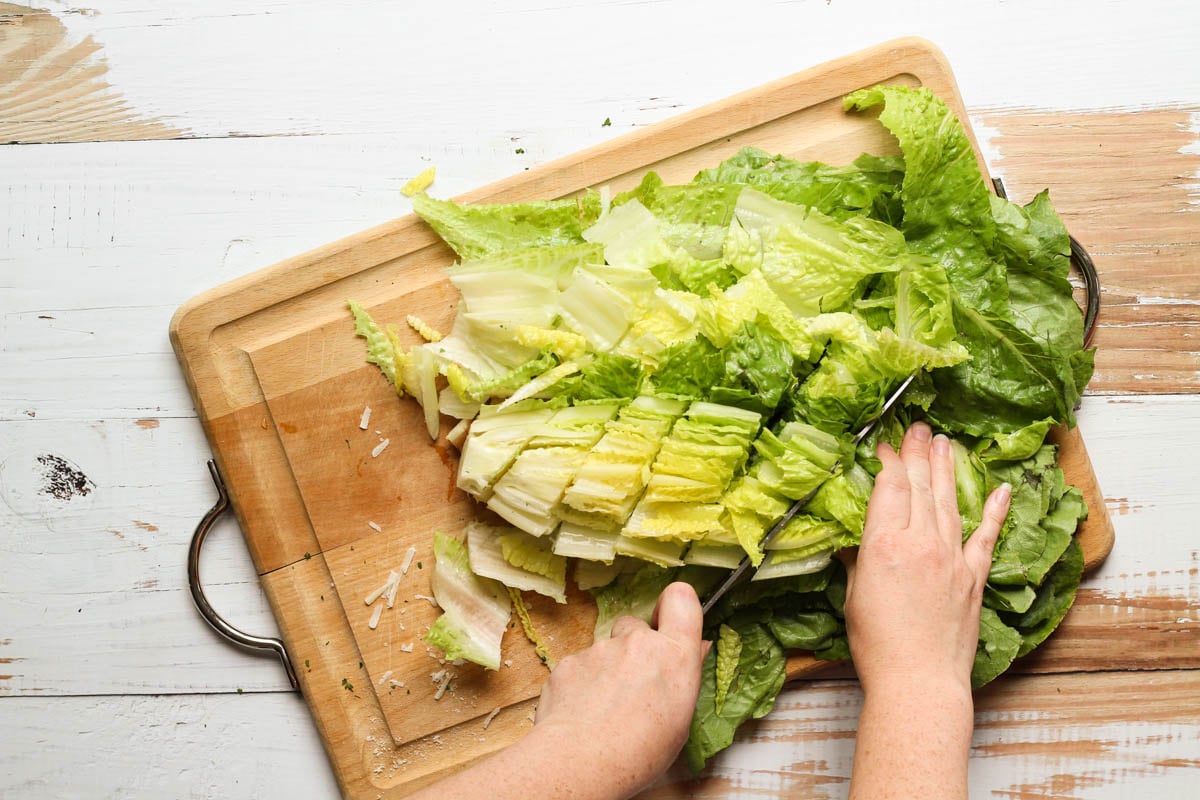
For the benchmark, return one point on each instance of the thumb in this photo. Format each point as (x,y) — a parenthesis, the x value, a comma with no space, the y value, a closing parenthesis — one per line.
(678,614)
(978,550)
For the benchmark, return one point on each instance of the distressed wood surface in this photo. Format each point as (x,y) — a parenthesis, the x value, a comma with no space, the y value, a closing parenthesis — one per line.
(176,145)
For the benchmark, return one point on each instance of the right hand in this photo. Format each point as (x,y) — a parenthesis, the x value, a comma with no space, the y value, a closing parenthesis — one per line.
(914,588)
(623,706)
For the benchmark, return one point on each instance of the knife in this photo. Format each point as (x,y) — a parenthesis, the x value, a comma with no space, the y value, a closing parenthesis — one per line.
(736,576)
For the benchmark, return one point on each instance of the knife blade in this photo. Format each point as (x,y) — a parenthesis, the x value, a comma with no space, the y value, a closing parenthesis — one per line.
(736,576)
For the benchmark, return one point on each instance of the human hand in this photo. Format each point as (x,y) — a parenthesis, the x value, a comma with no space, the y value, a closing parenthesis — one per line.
(622,707)
(611,718)
(914,588)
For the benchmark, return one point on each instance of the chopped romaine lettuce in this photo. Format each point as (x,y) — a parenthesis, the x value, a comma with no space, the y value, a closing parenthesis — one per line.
(475,610)
(517,560)
(729,651)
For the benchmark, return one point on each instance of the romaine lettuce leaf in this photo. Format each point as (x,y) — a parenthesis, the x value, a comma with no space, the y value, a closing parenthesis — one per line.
(380,350)
(729,652)
(1012,306)
(998,646)
(1053,601)
(947,206)
(759,676)
(475,610)
(633,593)
(481,230)
(517,560)
(814,262)
(868,187)
(692,217)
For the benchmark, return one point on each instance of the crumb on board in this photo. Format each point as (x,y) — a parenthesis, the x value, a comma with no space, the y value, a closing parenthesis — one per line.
(408,559)
(432,600)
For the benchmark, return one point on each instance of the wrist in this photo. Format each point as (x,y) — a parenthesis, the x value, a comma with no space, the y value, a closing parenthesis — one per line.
(920,679)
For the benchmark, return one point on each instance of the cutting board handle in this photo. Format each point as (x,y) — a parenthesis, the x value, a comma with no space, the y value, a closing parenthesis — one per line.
(262,644)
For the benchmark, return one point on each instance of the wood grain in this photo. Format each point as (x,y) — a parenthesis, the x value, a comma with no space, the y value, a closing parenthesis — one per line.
(1036,737)
(1126,187)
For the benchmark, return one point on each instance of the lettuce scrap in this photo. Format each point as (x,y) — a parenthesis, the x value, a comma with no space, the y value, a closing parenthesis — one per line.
(475,610)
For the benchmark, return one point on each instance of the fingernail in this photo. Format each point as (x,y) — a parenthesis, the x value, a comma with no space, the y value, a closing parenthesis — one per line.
(941,444)
(922,432)
(1004,492)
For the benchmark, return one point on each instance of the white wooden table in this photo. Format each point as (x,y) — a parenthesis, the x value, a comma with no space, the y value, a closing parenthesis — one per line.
(154,150)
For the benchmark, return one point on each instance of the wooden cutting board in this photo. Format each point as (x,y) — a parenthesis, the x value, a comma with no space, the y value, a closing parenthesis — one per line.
(280,383)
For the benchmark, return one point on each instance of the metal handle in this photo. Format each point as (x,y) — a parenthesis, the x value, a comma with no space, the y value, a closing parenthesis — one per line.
(238,637)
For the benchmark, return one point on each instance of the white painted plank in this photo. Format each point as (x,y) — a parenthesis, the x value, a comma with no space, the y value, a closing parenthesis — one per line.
(93,589)
(478,70)
(229,746)
(104,241)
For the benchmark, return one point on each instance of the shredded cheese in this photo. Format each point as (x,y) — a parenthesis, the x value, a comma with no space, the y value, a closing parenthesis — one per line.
(408,559)
(408,648)
(374,526)
(379,448)
(488,719)
(394,584)
(383,678)
(387,590)
(365,419)
(375,615)
(443,684)
(432,601)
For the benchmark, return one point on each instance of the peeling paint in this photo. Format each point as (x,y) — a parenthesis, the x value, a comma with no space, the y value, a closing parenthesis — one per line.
(62,479)
(62,86)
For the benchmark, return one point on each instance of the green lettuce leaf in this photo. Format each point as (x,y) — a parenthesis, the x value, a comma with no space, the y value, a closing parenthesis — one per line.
(757,680)
(480,230)
(1012,306)
(605,377)
(947,206)
(1053,601)
(814,262)
(729,651)
(868,187)
(380,350)
(998,646)
(804,630)
(632,594)
(692,217)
